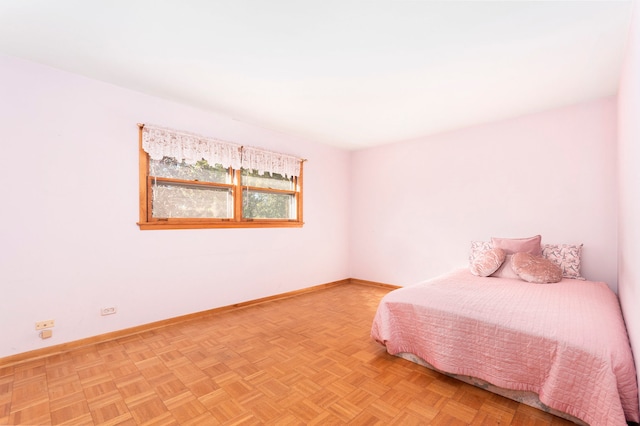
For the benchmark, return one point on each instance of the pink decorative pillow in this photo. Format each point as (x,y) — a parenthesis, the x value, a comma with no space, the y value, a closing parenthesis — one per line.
(518,245)
(487,262)
(567,256)
(506,270)
(535,269)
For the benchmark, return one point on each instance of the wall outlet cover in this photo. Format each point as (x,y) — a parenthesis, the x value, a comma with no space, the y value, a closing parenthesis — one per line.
(108,311)
(41,325)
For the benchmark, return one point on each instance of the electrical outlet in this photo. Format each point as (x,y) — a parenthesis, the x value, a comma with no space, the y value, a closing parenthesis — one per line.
(108,311)
(41,325)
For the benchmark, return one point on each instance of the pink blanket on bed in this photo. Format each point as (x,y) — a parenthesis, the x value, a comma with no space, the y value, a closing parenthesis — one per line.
(566,342)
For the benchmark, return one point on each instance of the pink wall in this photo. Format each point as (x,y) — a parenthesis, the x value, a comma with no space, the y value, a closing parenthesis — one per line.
(416,205)
(69,201)
(70,244)
(629,195)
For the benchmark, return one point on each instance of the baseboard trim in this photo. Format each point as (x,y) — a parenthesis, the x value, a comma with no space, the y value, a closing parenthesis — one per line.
(57,349)
(373,283)
(61,348)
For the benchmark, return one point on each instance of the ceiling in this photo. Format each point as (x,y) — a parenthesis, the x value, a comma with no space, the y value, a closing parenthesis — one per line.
(349,73)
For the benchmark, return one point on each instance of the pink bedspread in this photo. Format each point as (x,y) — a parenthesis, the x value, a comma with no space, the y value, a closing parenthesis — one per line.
(566,341)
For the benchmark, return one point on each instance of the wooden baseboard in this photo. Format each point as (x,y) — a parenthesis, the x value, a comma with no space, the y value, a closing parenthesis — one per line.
(373,283)
(57,349)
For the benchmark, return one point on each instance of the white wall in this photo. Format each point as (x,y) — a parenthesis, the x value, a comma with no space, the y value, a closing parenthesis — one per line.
(69,243)
(629,196)
(416,205)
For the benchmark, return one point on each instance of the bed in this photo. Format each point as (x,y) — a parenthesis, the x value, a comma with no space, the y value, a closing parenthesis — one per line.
(565,342)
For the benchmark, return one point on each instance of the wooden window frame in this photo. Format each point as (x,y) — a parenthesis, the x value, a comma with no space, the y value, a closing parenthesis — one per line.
(147,222)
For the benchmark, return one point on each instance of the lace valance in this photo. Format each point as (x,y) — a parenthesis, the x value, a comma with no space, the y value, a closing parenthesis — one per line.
(272,162)
(161,142)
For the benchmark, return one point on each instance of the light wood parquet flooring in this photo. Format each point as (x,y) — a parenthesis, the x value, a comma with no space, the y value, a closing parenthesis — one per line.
(307,359)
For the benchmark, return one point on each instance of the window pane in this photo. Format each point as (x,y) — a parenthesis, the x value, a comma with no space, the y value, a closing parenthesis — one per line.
(274,181)
(201,171)
(185,201)
(265,205)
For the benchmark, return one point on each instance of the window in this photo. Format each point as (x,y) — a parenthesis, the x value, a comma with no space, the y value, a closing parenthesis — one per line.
(187,181)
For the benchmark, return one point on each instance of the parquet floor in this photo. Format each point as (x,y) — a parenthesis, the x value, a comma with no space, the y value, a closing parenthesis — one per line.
(303,360)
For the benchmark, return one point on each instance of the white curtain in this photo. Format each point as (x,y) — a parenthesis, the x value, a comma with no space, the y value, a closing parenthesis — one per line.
(161,142)
(270,162)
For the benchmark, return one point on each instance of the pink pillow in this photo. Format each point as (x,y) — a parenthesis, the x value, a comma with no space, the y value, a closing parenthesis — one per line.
(506,271)
(535,269)
(487,262)
(519,245)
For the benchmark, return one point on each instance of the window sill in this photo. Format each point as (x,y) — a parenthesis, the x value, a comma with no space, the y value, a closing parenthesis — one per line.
(146,226)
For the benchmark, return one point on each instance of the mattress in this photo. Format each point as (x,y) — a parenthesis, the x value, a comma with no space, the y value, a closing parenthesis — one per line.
(565,342)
